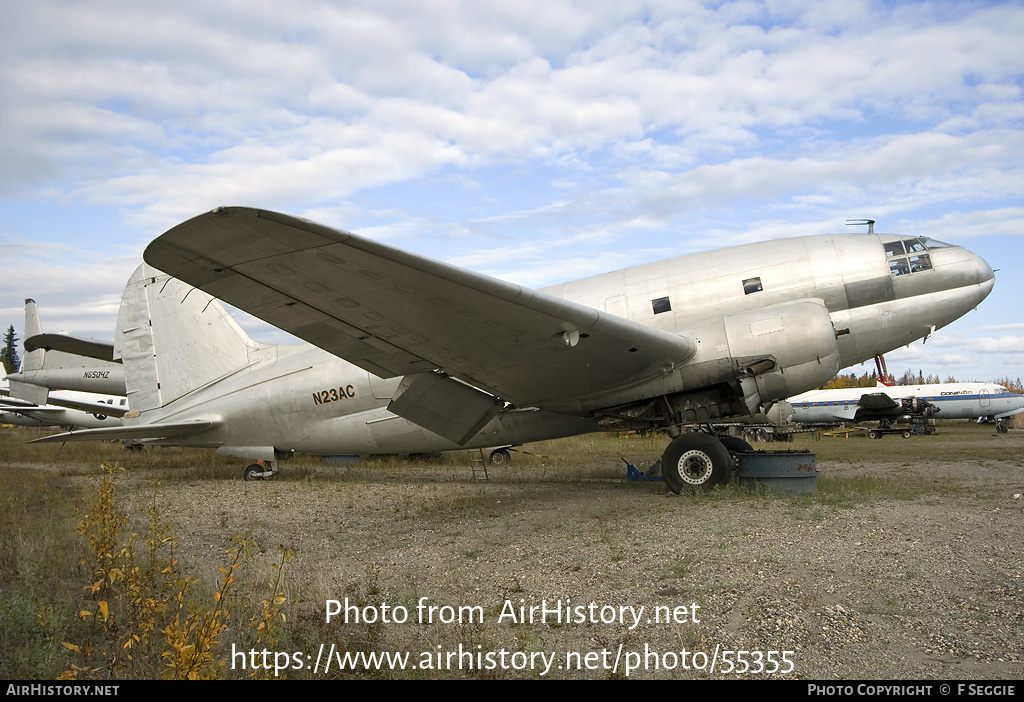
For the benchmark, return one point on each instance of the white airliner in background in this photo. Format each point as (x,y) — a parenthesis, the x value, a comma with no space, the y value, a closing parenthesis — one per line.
(65,408)
(951,401)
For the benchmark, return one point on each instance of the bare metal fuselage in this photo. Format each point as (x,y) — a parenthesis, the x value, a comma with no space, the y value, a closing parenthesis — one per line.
(769,319)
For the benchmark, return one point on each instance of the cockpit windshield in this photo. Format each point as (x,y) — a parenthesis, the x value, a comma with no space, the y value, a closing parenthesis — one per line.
(909,255)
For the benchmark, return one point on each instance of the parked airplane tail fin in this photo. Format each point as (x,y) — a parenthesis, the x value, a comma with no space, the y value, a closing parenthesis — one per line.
(174,339)
(33,360)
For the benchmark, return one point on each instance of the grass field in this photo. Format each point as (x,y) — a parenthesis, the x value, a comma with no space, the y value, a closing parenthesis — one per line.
(554,515)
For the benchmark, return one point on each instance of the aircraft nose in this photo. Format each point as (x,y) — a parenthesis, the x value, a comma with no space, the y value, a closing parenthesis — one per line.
(963,268)
(978,272)
(986,276)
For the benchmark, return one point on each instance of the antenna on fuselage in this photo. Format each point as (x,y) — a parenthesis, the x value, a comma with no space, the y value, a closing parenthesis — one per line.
(858,222)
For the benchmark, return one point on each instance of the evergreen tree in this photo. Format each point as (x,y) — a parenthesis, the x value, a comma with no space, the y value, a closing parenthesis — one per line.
(9,354)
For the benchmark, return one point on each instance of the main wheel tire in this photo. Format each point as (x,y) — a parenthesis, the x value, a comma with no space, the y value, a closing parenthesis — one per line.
(253,472)
(1002,428)
(907,434)
(695,462)
(500,457)
(734,444)
(874,434)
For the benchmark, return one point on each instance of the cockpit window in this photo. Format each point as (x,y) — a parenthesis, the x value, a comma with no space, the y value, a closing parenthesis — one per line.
(907,255)
(894,248)
(933,244)
(899,266)
(921,262)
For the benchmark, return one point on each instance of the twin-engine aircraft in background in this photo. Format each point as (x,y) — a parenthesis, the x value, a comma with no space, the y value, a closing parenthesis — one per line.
(409,354)
(887,404)
(61,362)
(72,387)
(63,409)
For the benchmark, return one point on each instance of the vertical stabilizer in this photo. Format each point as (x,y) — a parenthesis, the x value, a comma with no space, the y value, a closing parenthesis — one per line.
(31,361)
(174,339)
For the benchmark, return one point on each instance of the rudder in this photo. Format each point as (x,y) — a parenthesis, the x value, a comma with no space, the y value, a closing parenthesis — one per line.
(173,339)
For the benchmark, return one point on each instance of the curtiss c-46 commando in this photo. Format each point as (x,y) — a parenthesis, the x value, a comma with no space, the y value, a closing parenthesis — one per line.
(408,354)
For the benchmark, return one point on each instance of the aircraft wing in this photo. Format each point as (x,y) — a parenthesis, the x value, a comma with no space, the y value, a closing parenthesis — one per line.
(155,431)
(90,348)
(13,404)
(40,409)
(90,407)
(877,402)
(395,313)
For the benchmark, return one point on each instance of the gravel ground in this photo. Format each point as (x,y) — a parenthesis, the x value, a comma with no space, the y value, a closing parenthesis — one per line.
(897,569)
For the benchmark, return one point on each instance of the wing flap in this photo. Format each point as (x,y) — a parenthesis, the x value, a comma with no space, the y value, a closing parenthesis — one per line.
(76,346)
(395,313)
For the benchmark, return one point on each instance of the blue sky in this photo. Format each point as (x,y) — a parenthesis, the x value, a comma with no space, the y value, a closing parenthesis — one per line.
(535,141)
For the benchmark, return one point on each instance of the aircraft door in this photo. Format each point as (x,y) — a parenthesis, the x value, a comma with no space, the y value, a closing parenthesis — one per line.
(984,398)
(617,305)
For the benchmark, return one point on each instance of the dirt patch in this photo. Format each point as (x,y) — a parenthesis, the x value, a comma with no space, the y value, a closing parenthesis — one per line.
(903,566)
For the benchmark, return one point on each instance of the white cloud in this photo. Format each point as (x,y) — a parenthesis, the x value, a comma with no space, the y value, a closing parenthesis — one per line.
(470,130)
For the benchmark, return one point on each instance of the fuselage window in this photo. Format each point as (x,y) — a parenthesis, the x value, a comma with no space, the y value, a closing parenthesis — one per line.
(752,285)
(661,304)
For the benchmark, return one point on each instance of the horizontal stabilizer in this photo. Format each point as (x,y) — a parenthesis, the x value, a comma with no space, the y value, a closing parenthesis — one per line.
(89,348)
(29,407)
(139,432)
(13,404)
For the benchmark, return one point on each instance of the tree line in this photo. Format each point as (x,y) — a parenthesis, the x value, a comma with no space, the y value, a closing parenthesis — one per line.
(909,377)
(9,352)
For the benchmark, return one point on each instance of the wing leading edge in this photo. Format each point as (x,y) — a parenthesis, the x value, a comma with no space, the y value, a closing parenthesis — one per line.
(395,313)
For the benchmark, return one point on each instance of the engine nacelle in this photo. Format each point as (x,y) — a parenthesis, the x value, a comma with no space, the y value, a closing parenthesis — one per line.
(783,350)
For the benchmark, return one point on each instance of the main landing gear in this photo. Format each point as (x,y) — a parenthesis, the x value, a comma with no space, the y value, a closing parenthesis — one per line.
(697,461)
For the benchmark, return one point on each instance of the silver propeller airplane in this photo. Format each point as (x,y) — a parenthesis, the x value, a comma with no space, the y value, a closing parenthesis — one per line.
(61,362)
(63,409)
(58,388)
(409,354)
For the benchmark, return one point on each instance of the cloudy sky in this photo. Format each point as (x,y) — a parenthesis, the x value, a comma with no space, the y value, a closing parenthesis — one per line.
(534,141)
